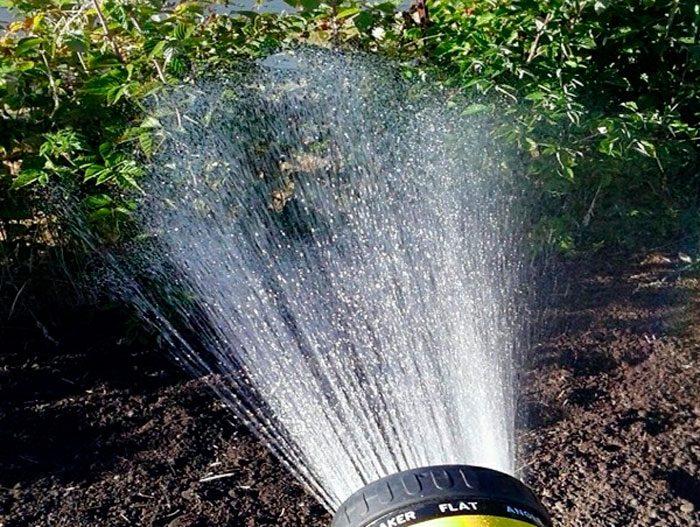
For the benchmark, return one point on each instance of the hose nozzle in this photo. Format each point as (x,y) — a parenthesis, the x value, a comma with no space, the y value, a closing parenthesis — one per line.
(443,496)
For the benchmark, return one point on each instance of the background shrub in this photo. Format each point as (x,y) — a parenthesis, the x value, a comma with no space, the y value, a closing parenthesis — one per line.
(603,96)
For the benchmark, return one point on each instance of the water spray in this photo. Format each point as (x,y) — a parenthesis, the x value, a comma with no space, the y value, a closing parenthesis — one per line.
(344,254)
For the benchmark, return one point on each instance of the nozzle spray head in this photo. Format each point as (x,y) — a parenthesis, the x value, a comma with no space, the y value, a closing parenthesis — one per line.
(443,496)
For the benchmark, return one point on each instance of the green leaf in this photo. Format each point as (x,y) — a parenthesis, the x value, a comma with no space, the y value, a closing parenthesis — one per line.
(27,177)
(386,7)
(413,33)
(105,85)
(364,21)
(129,178)
(645,148)
(535,96)
(104,176)
(93,171)
(157,50)
(146,143)
(123,211)
(347,12)
(118,94)
(97,201)
(176,66)
(310,5)
(150,122)
(100,214)
(27,45)
(105,149)
(475,108)
(182,31)
(77,44)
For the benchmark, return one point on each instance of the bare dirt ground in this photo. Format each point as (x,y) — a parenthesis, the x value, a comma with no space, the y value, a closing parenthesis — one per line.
(96,432)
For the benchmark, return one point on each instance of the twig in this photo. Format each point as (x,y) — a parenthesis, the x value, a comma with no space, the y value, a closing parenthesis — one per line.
(52,84)
(69,21)
(82,62)
(589,213)
(167,500)
(44,331)
(334,22)
(105,28)
(536,42)
(217,476)
(524,466)
(671,17)
(159,71)
(14,302)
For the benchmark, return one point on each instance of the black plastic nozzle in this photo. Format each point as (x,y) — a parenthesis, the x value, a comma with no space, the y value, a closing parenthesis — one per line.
(443,496)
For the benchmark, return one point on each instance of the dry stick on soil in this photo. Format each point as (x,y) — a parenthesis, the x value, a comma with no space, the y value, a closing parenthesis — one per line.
(217,476)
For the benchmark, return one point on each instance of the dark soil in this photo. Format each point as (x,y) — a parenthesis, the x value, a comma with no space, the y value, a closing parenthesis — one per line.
(97,432)
(614,401)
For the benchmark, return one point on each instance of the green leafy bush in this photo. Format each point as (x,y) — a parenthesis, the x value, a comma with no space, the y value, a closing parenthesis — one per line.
(74,79)
(602,95)
(605,95)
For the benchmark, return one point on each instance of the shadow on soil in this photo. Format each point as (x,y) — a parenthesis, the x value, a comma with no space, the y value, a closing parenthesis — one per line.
(601,322)
(42,429)
(685,486)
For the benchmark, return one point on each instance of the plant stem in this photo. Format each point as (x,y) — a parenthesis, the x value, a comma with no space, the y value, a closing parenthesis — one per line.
(105,28)
(52,83)
(536,42)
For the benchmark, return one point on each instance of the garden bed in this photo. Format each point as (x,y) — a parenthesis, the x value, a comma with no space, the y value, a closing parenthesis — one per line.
(94,431)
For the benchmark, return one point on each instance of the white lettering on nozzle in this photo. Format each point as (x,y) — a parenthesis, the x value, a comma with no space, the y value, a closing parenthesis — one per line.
(456,507)
(399,519)
(526,514)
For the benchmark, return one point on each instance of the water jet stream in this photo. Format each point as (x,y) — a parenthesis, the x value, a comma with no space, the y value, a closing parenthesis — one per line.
(346,254)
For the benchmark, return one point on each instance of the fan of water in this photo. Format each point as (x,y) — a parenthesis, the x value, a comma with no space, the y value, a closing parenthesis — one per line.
(343,251)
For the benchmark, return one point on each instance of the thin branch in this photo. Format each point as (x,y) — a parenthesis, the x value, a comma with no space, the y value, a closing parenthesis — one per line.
(334,22)
(14,302)
(82,62)
(671,18)
(159,70)
(105,28)
(69,21)
(52,84)
(589,213)
(536,42)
